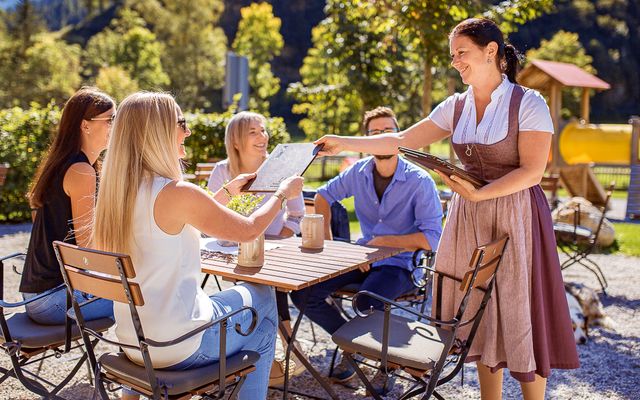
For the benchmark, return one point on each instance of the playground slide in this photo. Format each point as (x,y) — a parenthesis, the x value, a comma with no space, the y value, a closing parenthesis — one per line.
(597,143)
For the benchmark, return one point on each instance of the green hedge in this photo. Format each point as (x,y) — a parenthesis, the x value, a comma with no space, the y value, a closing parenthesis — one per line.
(207,136)
(26,134)
(24,137)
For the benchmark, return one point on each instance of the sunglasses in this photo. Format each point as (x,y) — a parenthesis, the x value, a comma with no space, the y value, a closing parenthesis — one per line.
(182,123)
(109,119)
(378,131)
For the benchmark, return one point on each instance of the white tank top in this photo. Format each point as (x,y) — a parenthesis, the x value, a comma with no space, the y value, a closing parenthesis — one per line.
(168,271)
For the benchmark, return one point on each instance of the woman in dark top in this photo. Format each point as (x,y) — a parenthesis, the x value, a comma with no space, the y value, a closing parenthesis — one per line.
(63,195)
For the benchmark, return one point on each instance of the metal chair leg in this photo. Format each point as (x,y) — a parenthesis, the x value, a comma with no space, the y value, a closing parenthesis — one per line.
(362,376)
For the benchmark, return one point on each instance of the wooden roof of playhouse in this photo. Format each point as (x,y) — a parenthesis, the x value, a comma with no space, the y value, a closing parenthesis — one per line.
(541,75)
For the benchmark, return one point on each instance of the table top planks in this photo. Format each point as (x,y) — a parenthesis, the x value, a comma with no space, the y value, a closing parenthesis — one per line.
(291,267)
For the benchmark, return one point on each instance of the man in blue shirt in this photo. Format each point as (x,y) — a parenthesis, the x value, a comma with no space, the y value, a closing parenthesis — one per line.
(397,205)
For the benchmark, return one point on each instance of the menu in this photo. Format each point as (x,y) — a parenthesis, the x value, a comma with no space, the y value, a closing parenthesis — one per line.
(284,161)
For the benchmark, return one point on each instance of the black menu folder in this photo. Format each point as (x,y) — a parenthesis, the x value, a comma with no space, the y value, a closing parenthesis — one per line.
(284,161)
(437,164)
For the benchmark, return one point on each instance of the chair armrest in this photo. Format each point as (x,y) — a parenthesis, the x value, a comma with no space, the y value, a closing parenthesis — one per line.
(4,304)
(394,304)
(101,337)
(415,258)
(14,255)
(254,322)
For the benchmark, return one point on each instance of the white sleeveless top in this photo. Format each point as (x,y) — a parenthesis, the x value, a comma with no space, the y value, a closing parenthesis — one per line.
(168,271)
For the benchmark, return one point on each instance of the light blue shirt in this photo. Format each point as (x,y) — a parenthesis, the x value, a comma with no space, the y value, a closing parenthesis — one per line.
(410,204)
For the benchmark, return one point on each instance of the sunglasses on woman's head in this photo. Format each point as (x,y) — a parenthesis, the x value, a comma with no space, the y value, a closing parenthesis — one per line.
(109,119)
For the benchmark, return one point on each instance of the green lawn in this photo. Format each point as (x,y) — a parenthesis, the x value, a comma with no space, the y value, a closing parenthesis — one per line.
(628,238)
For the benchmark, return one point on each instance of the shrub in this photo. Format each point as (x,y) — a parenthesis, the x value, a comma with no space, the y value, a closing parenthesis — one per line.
(25,134)
(24,138)
(207,136)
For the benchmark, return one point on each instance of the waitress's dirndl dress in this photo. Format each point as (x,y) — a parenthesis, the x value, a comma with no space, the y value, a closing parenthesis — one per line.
(526,326)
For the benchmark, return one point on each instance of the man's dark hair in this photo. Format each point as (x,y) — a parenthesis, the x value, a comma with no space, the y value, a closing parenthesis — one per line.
(378,112)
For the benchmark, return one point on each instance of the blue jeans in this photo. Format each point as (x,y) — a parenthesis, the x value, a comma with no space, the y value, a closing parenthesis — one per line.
(262,340)
(52,309)
(385,280)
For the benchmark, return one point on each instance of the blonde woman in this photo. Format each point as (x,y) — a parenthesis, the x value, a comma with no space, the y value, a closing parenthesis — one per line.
(145,209)
(246,140)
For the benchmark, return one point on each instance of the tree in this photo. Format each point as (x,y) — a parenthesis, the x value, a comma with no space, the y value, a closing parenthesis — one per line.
(609,32)
(116,82)
(565,47)
(386,52)
(129,45)
(430,26)
(49,69)
(259,39)
(357,62)
(194,46)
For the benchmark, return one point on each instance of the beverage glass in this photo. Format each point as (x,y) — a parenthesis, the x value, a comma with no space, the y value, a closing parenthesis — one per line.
(312,227)
(251,254)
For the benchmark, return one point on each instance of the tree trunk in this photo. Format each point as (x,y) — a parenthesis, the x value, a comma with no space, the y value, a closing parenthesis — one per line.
(426,87)
(426,91)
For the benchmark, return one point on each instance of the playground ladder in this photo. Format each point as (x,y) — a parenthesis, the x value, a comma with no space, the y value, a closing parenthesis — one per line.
(633,199)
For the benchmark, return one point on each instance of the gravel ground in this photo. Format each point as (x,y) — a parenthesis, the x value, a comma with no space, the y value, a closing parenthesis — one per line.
(610,359)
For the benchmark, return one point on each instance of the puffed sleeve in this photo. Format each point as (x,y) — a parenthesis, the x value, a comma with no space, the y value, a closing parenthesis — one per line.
(442,115)
(534,113)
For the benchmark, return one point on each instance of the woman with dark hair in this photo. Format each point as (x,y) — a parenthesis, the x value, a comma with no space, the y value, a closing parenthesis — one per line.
(501,132)
(63,198)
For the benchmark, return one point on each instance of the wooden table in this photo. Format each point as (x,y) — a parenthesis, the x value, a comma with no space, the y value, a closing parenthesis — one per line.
(291,267)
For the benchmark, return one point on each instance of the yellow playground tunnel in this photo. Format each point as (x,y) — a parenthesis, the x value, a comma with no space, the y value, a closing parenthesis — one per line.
(596,143)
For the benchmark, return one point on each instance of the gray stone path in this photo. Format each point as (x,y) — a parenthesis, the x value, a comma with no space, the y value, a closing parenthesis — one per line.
(610,360)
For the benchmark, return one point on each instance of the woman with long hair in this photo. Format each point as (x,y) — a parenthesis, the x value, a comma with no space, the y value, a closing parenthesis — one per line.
(246,140)
(63,198)
(501,132)
(146,210)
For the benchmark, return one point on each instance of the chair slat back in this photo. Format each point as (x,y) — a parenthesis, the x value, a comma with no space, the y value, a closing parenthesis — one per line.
(96,273)
(102,286)
(95,260)
(486,258)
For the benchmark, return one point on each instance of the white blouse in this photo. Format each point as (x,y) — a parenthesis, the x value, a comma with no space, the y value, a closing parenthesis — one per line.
(533,116)
(294,208)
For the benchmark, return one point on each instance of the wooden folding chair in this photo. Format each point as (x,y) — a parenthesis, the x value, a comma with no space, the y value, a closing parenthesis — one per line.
(423,350)
(28,344)
(551,184)
(577,242)
(415,299)
(109,276)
